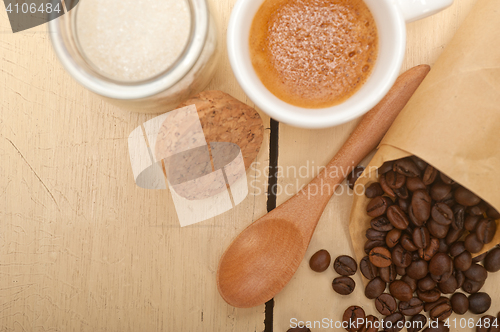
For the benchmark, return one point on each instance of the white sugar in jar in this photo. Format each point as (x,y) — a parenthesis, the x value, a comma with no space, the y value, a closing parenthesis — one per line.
(144,55)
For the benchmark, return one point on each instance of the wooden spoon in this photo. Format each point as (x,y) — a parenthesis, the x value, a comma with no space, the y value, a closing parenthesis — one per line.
(264,257)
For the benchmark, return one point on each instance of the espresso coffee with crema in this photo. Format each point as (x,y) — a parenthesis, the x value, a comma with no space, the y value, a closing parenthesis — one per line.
(313,53)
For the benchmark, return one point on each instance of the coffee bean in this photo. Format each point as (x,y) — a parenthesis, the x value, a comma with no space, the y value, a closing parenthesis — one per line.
(386,304)
(454,235)
(369,245)
(394,322)
(404,203)
(437,230)
(351,317)
(406,167)
(449,286)
(380,257)
(479,258)
(421,206)
(485,230)
(381,224)
(367,268)
(388,274)
(457,248)
(378,206)
(471,222)
(428,306)
(478,210)
(371,324)
(465,197)
(446,179)
(459,275)
(417,323)
(385,187)
(426,284)
(463,261)
(471,286)
(320,261)
(441,312)
(354,176)
(450,202)
(430,175)
(403,195)
(401,290)
(299,329)
(430,295)
(493,214)
(395,180)
(401,257)
(421,164)
(459,303)
(431,250)
(343,285)
(393,237)
(440,327)
(400,271)
(375,288)
(479,303)
(417,269)
(472,243)
(492,260)
(372,234)
(476,272)
(440,191)
(386,167)
(397,217)
(441,267)
(374,190)
(407,242)
(442,214)
(487,323)
(345,265)
(443,246)
(412,307)
(414,184)
(413,219)
(411,282)
(421,237)
(459,220)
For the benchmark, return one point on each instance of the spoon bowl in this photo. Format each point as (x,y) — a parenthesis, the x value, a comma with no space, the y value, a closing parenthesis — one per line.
(238,266)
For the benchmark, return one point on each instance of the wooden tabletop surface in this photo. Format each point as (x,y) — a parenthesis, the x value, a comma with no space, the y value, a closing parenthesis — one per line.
(82,248)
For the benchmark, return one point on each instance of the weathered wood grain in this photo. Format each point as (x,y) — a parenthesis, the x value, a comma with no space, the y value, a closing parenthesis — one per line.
(81,247)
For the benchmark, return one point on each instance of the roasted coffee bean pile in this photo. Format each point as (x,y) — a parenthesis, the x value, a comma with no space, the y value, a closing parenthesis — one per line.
(425,228)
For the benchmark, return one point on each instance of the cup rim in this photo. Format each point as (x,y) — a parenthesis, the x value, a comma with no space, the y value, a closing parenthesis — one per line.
(113,89)
(280,110)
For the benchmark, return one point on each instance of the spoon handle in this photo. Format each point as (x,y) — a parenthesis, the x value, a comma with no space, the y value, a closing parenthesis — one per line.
(367,135)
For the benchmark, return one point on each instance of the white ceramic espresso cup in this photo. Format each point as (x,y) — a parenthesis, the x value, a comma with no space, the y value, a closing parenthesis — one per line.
(390,16)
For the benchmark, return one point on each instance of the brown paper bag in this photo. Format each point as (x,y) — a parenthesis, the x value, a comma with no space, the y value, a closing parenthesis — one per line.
(453,120)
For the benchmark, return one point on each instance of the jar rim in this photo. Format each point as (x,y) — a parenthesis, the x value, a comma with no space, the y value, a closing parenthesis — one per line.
(107,87)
